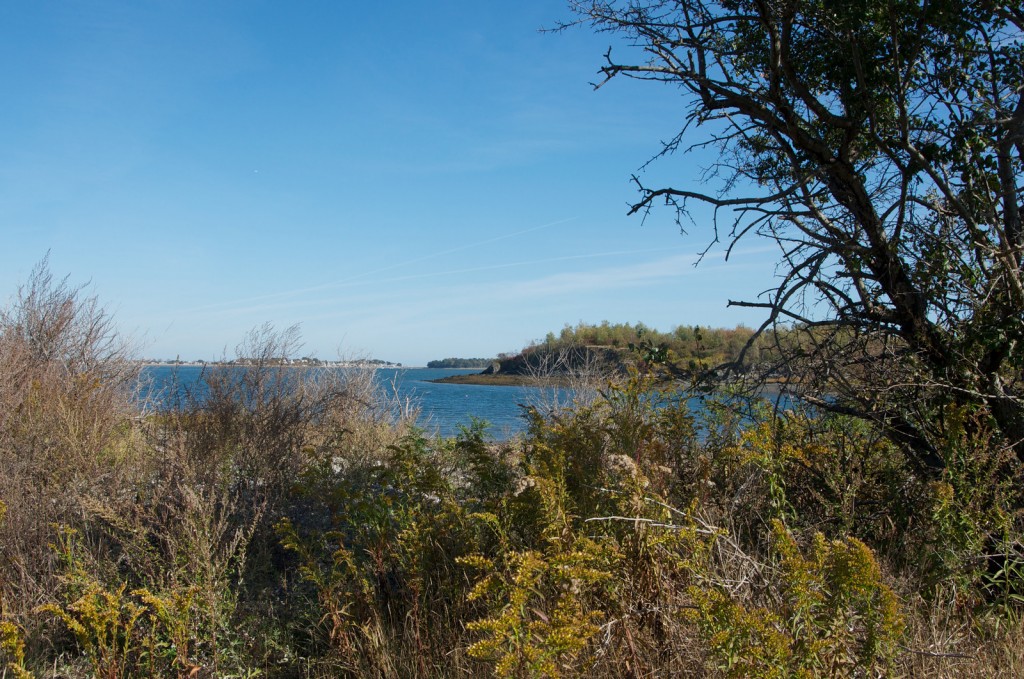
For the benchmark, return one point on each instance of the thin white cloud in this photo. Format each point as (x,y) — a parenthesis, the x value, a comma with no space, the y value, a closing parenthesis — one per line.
(373,296)
(378,283)
(608,278)
(391,267)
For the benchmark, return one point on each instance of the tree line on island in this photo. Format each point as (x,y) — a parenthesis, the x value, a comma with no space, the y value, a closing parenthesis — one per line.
(460,363)
(686,351)
(684,344)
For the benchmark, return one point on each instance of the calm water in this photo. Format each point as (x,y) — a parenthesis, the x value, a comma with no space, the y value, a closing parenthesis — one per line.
(443,407)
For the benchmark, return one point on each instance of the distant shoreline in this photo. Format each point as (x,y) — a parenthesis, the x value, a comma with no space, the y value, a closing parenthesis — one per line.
(294,364)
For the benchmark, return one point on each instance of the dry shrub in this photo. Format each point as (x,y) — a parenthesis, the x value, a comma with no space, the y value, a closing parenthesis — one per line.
(223,459)
(571,377)
(944,640)
(261,419)
(66,409)
(247,432)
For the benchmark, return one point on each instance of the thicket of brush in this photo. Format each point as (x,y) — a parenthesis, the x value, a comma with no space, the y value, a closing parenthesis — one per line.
(289,523)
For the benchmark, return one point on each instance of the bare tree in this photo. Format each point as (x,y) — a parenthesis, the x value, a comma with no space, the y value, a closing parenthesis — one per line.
(879,144)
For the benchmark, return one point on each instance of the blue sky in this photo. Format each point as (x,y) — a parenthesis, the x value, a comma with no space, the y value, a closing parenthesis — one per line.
(404,180)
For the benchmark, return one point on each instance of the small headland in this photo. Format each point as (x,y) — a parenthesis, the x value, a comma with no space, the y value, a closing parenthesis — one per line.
(593,353)
(542,366)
